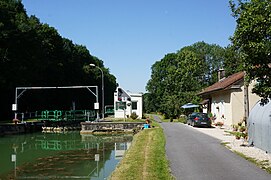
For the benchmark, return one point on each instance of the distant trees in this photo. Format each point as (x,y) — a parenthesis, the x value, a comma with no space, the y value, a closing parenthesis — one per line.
(34,54)
(177,77)
(252,39)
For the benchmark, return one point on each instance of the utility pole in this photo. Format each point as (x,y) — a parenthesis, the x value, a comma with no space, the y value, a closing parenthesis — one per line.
(246,98)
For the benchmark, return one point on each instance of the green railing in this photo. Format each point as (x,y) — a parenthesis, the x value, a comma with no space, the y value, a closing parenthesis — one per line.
(58,115)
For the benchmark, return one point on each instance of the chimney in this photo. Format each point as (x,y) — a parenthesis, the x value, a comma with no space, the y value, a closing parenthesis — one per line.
(221,74)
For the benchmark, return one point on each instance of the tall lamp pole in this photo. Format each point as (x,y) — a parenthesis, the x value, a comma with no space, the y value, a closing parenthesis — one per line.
(93,65)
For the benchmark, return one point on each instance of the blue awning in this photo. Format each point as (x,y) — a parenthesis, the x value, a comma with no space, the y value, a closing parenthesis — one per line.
(190,105)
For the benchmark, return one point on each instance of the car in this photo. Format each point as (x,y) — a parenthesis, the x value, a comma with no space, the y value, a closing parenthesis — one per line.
(199,119)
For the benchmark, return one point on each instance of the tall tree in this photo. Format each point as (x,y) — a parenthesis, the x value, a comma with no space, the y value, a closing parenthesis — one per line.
(34,54)
(252,38)
(233,62)
(177,77)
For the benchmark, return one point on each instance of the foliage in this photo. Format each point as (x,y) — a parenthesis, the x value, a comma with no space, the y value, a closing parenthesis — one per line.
(34,54)
(133,115)
(178,77)
(252,39)
(183,119)
(232,61)
(239,131)
(220,124)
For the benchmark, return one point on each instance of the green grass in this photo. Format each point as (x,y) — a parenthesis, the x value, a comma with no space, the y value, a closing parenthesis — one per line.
(146,158)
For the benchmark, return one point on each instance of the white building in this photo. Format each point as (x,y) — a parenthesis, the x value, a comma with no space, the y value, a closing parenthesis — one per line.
(125,103)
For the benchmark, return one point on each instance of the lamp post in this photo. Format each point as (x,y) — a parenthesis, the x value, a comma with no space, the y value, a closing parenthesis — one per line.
(93,65)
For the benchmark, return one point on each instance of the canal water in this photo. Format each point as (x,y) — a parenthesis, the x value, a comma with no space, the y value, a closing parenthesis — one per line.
(61,156)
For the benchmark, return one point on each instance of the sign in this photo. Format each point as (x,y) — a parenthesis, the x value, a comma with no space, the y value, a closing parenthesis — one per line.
(14,107)
(96,105)
(13,157)
(97,157)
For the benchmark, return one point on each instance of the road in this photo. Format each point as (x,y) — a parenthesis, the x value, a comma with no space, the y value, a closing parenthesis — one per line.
(197,156)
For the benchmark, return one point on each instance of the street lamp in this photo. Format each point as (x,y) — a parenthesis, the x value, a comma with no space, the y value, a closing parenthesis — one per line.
(93,65)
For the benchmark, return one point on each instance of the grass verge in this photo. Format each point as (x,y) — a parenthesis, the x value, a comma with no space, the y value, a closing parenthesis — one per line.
(262,164)
(146,158)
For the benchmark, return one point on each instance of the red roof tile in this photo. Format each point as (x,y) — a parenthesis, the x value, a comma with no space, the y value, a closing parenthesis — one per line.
(224,83)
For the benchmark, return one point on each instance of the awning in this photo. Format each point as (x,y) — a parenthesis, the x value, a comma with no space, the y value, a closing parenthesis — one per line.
(205,101)
(189,105)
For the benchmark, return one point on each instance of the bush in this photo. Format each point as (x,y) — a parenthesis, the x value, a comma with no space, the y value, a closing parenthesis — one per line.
(144,116)
(183,119)
(134,116)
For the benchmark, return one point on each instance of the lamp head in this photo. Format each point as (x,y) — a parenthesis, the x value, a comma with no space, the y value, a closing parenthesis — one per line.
(92,65)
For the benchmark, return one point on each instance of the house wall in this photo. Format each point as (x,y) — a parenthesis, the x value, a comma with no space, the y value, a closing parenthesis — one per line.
(118,112)
(138,98)
(238,102)
(220,107)
(237,99)
(230,103)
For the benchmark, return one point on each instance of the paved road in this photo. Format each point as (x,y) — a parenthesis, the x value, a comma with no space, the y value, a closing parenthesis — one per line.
(156,118)
(197,156)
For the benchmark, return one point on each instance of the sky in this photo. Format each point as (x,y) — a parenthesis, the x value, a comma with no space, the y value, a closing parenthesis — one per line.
(129,36)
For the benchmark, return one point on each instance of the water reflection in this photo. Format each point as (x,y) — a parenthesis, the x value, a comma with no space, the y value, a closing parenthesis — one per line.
(61,156)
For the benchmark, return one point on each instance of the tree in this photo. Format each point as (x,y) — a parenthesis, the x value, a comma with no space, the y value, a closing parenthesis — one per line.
(252,39)
(34,54)
(232,61)
(178,77)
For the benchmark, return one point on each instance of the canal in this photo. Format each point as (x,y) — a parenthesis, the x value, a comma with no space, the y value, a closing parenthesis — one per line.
(61,156)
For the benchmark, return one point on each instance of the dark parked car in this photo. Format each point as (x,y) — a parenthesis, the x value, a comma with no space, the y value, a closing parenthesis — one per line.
(199,119)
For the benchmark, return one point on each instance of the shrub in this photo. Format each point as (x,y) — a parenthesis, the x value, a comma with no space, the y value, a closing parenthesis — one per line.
(220,124)
(182,119)
(144,116)
(242,128)
(134,115)
(235,127)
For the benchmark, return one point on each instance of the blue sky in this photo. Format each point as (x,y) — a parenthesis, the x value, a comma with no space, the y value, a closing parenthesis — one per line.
(129,36)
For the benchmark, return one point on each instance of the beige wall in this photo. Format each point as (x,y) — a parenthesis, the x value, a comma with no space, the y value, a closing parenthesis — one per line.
(237,106)
(238,102)
(231,104)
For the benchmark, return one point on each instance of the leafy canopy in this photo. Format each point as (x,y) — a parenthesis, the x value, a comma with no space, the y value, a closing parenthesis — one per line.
(252,39)
(178,77)
(34,54)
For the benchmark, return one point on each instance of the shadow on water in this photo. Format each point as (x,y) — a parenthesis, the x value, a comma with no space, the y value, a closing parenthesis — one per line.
(61,156)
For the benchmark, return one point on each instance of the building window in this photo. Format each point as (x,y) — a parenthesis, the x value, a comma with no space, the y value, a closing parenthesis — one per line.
(134,105)
(120,105)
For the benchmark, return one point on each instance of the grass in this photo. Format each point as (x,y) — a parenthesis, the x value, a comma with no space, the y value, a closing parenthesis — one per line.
(146,158)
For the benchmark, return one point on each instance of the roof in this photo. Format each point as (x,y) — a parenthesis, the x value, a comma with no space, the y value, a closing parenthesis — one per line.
(224,83)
